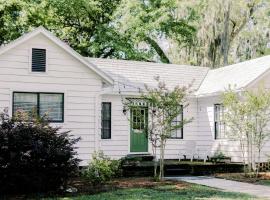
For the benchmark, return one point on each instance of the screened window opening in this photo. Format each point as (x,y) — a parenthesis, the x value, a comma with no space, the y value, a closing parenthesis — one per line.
(50,105)
(106,120)
(219,124)
(178,133)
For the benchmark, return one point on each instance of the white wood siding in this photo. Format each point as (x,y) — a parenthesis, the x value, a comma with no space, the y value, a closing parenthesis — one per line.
(200,130)
(206,132)
(119,144)
(64,74)
(229,147)
(264,82)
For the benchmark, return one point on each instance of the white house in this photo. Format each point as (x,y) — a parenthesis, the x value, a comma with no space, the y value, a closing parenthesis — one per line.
(40,71)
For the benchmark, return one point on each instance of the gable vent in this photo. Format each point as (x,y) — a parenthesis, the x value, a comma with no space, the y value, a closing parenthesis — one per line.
(38,60)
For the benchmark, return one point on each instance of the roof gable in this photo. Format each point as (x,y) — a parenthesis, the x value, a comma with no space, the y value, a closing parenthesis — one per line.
(59,43)
(238,76)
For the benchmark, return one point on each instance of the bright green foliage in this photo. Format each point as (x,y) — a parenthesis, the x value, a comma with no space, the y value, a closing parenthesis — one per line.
(149,22)
(101,169)
(247,118)
(12,20)
(199,32)
(88,27)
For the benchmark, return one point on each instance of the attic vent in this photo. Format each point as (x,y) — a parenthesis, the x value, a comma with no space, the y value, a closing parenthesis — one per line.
(38,60)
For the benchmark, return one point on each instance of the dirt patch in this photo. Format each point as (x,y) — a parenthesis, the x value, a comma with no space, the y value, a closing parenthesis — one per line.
(84,186)
(145,183)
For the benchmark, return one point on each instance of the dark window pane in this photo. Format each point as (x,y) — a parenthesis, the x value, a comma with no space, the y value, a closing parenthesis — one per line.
(106,120)
(106,124)
(106,134)
(106,111)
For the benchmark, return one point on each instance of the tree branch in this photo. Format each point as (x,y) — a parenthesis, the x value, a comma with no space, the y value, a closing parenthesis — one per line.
(158,49)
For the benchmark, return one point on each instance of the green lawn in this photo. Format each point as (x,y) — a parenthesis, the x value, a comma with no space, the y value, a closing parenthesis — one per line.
(163,193)
(264,182)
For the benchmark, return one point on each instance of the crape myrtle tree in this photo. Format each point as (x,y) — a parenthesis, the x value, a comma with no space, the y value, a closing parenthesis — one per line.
(164,106)
(247,118)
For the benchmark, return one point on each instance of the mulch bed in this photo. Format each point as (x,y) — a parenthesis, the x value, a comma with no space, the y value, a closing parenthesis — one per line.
(241,177)
(84,187)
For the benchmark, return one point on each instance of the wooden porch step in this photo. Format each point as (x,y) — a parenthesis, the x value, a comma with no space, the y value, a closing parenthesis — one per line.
(139,157)
(176,171)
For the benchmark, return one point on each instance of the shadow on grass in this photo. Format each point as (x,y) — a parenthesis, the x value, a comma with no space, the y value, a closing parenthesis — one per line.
(166,192)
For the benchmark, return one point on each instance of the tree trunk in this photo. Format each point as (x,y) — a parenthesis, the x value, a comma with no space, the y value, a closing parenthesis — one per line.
(243,149)
(225,38)
(161,161)
(155,160)
(248,155)
(259,160)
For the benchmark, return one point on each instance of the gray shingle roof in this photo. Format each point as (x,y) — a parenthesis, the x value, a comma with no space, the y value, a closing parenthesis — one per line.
(131,75)
(237,75)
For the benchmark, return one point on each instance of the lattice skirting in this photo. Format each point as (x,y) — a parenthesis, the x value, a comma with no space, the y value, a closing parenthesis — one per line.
(265,166)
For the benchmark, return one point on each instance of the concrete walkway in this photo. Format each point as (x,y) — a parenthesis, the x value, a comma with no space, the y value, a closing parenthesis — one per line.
(227,185)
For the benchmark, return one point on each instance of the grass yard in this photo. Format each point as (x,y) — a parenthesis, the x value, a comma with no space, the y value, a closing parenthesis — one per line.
(142,188)
(161,193)
(263,179)
(264,182)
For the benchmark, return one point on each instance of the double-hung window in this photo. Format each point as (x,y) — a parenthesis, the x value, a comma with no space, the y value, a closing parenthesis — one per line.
(43,104)
(106,120)
(219,125)
(178,121)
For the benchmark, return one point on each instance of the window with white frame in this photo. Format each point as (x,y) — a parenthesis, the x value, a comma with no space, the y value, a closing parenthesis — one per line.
(178,133)
(219,125)
(106,115)
(49,104)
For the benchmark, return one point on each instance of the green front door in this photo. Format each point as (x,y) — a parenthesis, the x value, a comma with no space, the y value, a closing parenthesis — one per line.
(138,133)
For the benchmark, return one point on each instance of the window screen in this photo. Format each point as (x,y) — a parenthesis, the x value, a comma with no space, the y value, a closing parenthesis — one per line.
(50,104)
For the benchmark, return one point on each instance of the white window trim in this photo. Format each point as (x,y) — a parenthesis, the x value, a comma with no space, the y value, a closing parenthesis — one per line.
(30,60)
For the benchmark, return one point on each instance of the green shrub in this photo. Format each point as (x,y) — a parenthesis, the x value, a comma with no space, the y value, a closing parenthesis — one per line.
(34,156)
(219,155)
(101,169)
